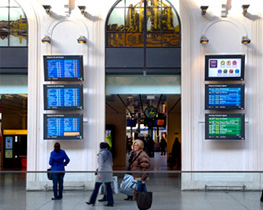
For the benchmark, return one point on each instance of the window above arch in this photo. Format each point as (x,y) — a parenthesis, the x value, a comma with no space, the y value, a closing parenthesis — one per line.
(134,23)
(13,25)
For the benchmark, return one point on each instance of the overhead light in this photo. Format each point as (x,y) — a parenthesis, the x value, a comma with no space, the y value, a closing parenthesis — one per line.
(82,9)
(204,40)
(203,9)
(245,7)
(46,40)
(81,40)
(47,8)
(245,40)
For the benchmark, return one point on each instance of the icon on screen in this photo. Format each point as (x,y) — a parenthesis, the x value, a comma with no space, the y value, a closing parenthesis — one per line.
(222,64)
(228,64)
(234,64)
(231,71)
(237,71)
(225,71)
(219,71)
(213,63)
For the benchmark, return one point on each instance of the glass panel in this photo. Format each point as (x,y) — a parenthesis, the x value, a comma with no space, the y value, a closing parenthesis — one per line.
(136,3)
(115,39)
(3,38)
(3,15)
(120,4)
(16,14)
(116,20)
(171,39)
(4,3)
(134,19)
(153,19)
(153,40)
(18,38)
(13,4)
(168,19)
(134,39)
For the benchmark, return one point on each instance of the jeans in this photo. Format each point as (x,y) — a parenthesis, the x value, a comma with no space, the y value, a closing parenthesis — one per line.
(96,191)
(57,179)
(141,188)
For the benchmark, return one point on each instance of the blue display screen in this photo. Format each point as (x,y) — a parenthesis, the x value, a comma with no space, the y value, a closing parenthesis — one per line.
(225,96)
(63,96)
(63,126)
(64,68)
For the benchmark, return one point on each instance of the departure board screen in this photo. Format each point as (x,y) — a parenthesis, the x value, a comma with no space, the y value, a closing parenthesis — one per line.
(225,126)
(224,67)
(63,97)
(225,96)
(63,126)
(63,68)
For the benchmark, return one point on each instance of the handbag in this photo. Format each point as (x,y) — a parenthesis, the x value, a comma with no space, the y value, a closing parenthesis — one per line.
(128,185)
(144,200)
(114,187)
(49,175)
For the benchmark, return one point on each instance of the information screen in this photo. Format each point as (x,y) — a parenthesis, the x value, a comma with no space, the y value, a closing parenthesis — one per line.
(224,67)
(225,96)
(63,126)
(63,97)
(63,68)
(225,126)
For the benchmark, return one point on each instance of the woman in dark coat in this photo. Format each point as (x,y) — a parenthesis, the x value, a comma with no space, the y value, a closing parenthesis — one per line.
(140,162)
(58,160)
(104,164)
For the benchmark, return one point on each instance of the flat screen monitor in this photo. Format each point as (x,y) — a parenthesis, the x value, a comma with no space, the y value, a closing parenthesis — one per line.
(224,67)
(224,96)
(63,68)
(63,126)
(63,97)
(225,126)
(160,122)
(131,123)
(109,135)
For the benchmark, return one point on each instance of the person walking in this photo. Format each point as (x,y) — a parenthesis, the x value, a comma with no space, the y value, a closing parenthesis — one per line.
(140,162)
(104,164)
(163,145)
(58,160)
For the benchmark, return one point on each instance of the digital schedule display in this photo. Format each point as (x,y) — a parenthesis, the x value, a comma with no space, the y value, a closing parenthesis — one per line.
(63,126)
(224,67)
(63,68)
(63,97)
(224,96)
(225,126)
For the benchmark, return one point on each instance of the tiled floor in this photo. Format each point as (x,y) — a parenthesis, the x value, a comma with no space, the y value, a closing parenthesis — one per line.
(166,196)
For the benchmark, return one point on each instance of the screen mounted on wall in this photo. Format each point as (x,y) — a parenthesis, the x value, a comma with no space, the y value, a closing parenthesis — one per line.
(63,126)
(63,68)
(224,96)
(225,126)
(224,67)
(63,97)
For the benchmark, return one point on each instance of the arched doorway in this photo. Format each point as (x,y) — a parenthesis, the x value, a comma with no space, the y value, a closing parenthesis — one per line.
(143,68)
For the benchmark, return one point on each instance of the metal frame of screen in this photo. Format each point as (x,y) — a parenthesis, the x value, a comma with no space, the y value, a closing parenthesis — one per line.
(63,137)
(233,107)
(207,57)
(63,57)
(62,86)
(224,137)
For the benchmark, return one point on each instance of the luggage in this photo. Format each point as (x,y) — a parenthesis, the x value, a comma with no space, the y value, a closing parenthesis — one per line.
(144,200)
(128,185)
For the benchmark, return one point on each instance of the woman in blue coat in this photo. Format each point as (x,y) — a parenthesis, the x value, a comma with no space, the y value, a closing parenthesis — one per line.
(58,160)
(104,164)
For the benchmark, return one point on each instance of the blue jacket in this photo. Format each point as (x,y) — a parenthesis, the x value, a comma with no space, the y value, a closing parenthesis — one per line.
(58,160)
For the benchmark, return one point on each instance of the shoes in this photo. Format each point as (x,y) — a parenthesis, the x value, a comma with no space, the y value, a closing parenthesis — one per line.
(102,200)
(90,203)
(59,198)
(128,199)
(109,205)
(54,199)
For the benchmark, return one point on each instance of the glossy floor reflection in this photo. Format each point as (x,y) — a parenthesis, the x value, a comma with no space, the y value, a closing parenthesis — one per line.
(165,188)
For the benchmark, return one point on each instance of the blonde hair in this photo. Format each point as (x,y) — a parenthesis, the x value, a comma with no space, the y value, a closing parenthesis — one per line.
(139,143)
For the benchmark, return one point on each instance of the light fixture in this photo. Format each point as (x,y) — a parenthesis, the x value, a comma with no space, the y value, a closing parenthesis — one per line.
(46,40)
(245,40)
(47,8)
(204,40)
(245,7)
(203,9)
(81,40)
(82,9)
